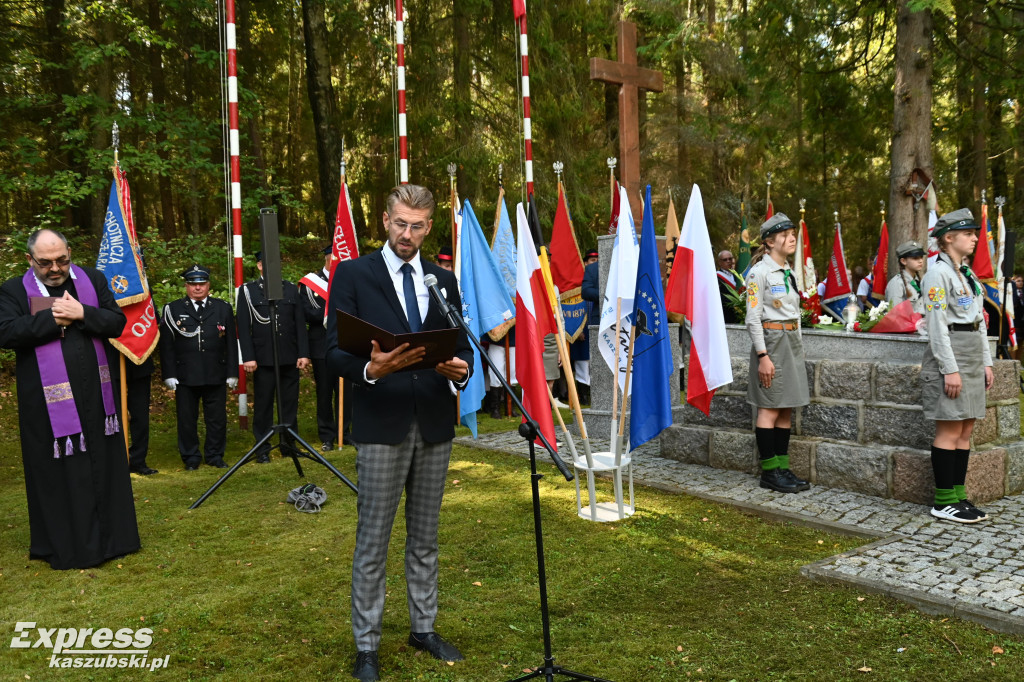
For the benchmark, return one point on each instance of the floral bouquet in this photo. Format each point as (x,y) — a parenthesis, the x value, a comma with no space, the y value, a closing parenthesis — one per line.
(900,320)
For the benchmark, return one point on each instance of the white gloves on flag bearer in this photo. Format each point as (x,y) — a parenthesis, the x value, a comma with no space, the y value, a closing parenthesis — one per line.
(232,383)
(171,384)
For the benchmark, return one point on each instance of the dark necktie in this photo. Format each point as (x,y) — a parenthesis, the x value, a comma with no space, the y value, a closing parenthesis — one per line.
(970,278)
(200,305)
(412,307)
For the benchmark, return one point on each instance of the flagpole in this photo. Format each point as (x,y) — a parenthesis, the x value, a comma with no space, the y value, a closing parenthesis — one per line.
(508,354)
(570,378)
(341,380)
(612,162)
(615,370)
(235,186)
(452,168)
(403,133)
(625,392)
(524,54)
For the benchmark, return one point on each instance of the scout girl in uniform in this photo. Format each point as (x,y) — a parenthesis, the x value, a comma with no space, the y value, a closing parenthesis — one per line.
(906,285)
(957,366)
(778,379)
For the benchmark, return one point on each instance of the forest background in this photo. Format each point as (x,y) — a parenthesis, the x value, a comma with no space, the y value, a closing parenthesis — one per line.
(803,89)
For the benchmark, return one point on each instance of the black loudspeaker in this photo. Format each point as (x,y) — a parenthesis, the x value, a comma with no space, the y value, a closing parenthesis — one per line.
(1008,257)
(273,288)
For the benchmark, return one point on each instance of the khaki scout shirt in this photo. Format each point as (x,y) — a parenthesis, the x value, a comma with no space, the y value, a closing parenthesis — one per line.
(767,300)
(896,292)
(949,299)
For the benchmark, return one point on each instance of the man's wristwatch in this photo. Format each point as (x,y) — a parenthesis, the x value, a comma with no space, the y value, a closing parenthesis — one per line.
(762,355)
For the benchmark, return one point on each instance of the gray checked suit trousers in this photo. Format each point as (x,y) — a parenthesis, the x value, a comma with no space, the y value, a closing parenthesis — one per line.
(384,471)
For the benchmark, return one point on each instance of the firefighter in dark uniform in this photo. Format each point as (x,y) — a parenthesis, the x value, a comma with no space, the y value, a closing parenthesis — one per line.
(256,341)
(310,289)
(199,358)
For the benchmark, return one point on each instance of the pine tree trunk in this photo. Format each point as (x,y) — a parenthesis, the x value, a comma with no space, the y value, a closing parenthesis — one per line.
(912,120)
(322,103)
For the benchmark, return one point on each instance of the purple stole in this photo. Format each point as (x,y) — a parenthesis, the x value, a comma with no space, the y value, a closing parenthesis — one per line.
(53,372)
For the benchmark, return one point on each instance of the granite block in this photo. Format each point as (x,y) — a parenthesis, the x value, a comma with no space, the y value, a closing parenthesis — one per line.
(684,444)
(1014,467)
(811,366)
(986,430)
(733,450)
(740,375)
(1008,422)
(801,457)
(901,426)
(912,476)
(844,379)
(1005,385)
(986,472)
(726,410)
(897,383)
(860,469)
(839,422)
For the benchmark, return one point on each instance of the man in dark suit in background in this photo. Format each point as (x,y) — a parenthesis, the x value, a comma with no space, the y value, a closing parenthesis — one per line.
(199,360)
(256,341)
(137,380)
(402,422)
(313,295)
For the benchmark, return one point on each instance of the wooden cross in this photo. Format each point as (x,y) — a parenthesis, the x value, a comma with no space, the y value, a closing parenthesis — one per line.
(630,79)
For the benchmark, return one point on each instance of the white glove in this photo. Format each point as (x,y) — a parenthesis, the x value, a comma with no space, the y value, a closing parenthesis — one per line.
(171,384)
(232,382)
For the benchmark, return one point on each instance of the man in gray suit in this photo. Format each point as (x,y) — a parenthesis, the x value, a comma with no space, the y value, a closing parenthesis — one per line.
(402,422)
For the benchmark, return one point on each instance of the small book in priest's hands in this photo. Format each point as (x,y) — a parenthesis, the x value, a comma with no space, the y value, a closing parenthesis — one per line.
(37,303)
(355,334)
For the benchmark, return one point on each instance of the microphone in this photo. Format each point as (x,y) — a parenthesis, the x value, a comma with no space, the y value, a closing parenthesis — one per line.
(431,283)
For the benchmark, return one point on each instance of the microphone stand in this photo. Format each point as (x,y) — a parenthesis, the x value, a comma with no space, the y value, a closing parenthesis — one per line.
(531,432)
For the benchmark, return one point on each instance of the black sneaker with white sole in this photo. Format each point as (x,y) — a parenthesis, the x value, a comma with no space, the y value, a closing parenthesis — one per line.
(980,514)
(955,512)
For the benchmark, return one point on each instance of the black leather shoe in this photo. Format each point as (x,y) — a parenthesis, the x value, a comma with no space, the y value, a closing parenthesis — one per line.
(800,483)
(435,645)
(366,668)
(263,459)
(775,480)
(143,471)
(326,446)
(218,464)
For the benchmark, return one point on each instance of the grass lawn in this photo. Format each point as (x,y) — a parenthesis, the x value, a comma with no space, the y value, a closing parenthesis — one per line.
(246,587)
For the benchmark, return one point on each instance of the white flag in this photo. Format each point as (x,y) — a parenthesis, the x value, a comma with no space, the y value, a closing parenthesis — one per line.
(619,291)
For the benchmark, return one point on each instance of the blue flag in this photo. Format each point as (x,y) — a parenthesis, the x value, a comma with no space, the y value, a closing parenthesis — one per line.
(485,305)
(651,409)
(503,247)
(119,256)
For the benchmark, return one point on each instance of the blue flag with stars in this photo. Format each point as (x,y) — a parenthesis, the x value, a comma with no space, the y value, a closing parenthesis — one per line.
(485,305)
(651,409)
(503,247)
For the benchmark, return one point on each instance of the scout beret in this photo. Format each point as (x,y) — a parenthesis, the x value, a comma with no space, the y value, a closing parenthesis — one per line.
(960,219)
(777,223)
(909,249)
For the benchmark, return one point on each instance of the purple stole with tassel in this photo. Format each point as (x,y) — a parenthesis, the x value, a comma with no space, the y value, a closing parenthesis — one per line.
(53,372)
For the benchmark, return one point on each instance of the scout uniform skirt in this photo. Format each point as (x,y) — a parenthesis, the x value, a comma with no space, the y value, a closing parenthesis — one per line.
(968,348)
(789,387)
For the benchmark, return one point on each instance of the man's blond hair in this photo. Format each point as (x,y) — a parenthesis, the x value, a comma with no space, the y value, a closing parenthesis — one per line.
(412,196)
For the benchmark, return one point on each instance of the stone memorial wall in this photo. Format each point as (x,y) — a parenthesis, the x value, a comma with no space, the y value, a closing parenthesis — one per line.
(863,430)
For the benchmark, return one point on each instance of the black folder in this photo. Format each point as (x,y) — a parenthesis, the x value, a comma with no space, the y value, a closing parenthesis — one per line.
(355,334)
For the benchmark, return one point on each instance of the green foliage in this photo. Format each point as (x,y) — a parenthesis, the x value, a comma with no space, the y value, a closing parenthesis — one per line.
(799,89)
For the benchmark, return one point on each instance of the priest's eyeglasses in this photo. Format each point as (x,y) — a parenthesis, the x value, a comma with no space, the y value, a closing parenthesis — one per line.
(403,226)
(61,262)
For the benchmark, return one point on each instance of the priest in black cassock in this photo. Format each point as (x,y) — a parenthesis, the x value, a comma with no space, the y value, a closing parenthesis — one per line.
(80,507)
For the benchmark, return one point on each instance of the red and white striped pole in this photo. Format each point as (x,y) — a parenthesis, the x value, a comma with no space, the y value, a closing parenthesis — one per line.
(403,139)
(519,10)
(236,185)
